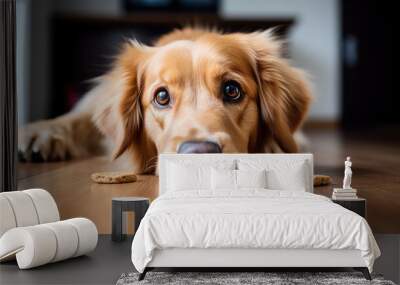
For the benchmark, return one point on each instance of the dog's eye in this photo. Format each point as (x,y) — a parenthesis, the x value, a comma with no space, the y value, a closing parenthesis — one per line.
(162,97)
(231,91)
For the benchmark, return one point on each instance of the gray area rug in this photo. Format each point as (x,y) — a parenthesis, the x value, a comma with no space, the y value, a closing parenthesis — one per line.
(233,278)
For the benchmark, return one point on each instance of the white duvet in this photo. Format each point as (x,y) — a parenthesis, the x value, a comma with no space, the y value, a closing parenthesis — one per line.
(253,218)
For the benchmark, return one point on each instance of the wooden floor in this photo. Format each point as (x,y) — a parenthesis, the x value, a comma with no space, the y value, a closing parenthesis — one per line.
(376,175)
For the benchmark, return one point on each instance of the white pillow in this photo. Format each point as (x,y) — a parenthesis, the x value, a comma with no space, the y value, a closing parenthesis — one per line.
(292,175)
(223,179)
(235,179)
(181,177)
(251,178)
(292,179)
(187,175)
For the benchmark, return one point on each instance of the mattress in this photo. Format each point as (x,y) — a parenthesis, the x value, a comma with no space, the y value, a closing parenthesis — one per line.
(250,219)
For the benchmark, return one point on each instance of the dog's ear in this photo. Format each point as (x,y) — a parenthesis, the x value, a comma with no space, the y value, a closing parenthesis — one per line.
(284,93)
(119,112)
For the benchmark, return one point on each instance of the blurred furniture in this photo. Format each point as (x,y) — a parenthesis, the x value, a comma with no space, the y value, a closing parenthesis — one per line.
(8,97)
(31,230)
(138,205)
(83,46)
(368,96)
(172,5)
(358,205)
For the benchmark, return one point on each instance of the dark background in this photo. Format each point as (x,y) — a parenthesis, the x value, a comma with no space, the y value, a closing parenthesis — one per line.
(95,40)
(368,95)
(70,42)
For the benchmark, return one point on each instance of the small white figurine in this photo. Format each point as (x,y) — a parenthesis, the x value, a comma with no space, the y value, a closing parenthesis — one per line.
(347,174)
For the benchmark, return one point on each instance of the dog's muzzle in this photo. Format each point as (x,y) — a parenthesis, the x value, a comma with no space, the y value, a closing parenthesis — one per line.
(199,147)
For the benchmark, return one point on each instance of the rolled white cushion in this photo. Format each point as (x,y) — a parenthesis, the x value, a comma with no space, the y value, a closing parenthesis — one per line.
(87,235)
(7,218)
(67,240)
(23,208)
(46,207)
(41,244)
(33,246)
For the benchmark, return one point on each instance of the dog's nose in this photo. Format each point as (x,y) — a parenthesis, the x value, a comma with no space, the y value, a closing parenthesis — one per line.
(199,147)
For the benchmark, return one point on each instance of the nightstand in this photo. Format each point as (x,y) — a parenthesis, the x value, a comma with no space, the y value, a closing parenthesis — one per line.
(358,206)
(138,205)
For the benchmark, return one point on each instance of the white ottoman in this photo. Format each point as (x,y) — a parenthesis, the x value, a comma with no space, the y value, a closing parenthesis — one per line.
(31,232)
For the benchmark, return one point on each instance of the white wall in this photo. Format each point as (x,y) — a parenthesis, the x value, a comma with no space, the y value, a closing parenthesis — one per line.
(314,43)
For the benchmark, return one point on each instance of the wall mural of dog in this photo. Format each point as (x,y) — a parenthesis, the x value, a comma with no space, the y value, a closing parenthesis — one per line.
(194,91)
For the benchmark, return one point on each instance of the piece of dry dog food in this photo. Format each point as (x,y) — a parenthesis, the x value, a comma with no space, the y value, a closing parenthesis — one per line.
(321,180)
(113,177)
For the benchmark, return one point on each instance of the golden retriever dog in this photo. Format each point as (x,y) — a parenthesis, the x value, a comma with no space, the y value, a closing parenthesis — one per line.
(194,91)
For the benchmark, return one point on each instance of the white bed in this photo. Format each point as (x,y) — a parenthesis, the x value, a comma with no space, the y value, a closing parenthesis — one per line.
(199,226)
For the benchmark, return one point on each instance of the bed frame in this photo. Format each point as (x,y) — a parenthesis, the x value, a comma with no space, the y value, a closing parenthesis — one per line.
(260,259)
(247,259)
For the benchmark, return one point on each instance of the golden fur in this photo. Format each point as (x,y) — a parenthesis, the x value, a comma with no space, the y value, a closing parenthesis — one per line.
(191,64)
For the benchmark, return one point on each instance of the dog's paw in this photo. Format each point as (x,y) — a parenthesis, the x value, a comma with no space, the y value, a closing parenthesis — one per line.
(44,141)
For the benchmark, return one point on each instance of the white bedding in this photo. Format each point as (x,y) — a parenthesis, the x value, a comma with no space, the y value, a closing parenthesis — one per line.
(251,218)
